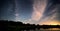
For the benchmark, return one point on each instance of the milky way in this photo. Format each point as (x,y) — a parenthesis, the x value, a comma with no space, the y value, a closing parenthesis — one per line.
(16,11)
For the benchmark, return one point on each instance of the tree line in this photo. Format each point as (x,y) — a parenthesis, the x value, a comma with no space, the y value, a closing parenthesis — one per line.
(18,26)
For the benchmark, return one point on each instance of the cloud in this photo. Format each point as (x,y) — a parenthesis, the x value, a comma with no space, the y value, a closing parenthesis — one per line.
(44,13)
(50,20)
(51,15)
(38,9)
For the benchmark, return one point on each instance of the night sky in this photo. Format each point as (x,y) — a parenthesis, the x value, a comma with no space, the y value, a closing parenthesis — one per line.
(31,11)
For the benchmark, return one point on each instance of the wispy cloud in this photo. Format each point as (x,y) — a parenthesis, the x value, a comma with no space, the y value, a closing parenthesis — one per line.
(50,20)
(38,9)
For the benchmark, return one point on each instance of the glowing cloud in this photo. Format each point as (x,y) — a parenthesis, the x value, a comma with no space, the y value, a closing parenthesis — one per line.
(38,9)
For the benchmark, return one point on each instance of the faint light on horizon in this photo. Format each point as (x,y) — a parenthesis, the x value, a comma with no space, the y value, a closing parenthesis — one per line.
(50,23)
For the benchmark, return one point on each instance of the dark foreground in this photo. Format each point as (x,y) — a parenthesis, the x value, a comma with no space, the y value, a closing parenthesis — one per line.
(6,25)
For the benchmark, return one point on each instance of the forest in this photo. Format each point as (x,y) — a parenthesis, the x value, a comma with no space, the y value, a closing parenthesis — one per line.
(18,26)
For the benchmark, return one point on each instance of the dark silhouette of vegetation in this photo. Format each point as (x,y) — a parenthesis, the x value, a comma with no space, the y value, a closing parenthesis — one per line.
(18,26)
